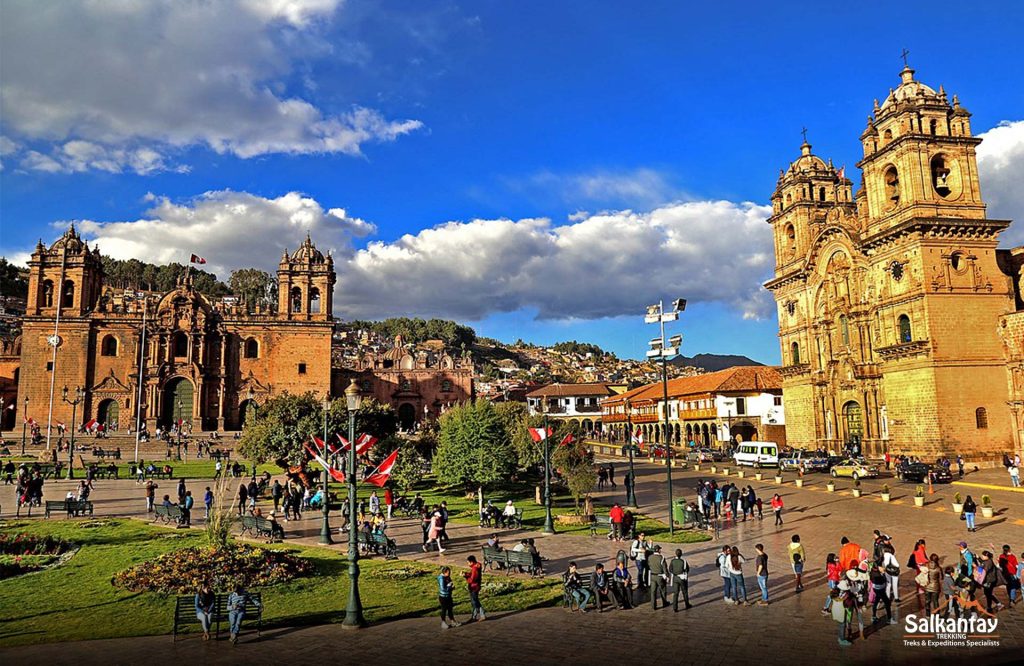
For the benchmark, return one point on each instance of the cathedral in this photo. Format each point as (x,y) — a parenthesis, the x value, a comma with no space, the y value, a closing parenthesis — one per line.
(206,364)
(894,304)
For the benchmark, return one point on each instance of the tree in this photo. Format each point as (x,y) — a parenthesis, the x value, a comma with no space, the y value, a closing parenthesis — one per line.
(473,447)
(252,286)
(516,419)
(408,467)
(285,423)
(11,281)
(576,464)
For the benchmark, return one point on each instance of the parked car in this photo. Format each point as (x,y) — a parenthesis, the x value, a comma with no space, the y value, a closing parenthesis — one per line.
(855,469)
(810,460)
(757,454)
(705,455)
(915,471)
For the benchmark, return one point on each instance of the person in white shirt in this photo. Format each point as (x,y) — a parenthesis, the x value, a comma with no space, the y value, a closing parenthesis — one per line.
(509,514)
(891,566)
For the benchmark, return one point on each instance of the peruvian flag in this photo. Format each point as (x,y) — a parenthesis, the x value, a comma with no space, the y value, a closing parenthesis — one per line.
(319,442)
(567,440)
(540,434)
(196,259)
(30,421)
(381,475)
(91,424)
(364,442)
(344,444)
(638,437)
(841,173)
(337,475)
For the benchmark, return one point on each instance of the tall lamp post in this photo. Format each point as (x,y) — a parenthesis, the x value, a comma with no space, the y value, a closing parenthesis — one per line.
(24,426)
(656,314)
(630,487)
(728,422)
(79,397)
(325,526)
(354,610)
(549,524)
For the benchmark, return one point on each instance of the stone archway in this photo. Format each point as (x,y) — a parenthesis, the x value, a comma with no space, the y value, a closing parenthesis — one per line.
(744,431)
(247,412)
(107,412)
(177,401)
(853,419)
(406,415)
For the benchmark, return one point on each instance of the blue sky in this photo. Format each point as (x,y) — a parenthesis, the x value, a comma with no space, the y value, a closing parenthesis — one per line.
(539,170)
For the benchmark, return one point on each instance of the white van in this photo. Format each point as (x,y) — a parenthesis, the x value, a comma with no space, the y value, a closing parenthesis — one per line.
(757,454)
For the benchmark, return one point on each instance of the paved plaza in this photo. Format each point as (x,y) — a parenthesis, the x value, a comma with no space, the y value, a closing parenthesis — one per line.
(790,630)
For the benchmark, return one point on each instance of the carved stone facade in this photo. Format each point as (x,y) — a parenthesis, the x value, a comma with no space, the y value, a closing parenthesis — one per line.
(889,302)
(205,363)
(419,384)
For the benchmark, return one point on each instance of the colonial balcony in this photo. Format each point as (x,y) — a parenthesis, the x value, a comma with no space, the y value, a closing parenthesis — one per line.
(867,371)
(795,370)
(588,409)
(904,350)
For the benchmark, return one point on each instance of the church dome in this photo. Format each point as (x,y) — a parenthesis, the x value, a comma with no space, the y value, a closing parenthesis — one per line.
(911,90)
(807,162)
(307,253)
(70,241)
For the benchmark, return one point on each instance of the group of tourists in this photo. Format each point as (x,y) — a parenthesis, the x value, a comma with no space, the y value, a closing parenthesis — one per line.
(733,502)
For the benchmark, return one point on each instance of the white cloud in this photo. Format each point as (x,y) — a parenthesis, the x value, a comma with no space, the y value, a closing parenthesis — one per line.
(604,265)
(1000,165)
(120,86)
(230,229)
(640,188)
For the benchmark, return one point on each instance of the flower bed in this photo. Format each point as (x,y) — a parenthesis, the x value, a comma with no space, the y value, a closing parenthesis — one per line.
(22,553)
(182,571)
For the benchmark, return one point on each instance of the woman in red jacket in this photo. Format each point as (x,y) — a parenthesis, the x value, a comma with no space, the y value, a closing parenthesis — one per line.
(777,508)
(474,577)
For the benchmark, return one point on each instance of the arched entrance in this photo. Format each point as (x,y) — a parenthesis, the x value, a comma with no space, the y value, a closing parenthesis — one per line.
(705,435)
(108,412)
(177,402)
(853,418)
(406,416)
(744,431)
(247,412)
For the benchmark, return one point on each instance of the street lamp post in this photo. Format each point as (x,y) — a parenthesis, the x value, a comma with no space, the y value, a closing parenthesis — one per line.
(656,314)
(630,487)
(728,421)
(24,426)
(325,526)
(79,396)
(177,418)
(354,610)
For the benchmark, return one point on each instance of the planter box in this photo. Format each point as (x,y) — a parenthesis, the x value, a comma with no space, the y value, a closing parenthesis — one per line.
(886,497)
(778,479)
(831,487)
(799,483)
(918,501)
(987,512)
(741,474)
(572,519)
(856,492)
(714,470)
(696,467)
(958,508)
(759,476)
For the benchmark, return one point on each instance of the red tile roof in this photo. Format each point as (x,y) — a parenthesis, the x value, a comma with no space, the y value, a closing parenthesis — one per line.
(569,390)
(735,379)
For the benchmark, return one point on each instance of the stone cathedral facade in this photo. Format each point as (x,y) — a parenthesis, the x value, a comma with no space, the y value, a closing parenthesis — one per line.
(893,301)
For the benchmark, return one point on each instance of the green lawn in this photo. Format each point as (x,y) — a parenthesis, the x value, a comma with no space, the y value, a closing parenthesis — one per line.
(76,601)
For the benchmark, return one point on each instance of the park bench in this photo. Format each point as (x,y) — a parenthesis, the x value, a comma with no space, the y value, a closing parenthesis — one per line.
(258,525)
(47,471)
(586,582)
(161,474)
(501,520)
(379,543)
(185,612)
(105,473)
(69,507)
(600,522)
(509,560)
(220,455)
(167,514)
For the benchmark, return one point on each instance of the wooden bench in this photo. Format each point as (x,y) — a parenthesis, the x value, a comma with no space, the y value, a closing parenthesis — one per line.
(501,520)
(586,583)
(260,526)
(520,560)
(599,522)
(494,557)
(185,612)
(167,514)
(379,542)
(105,473)
(162,474)
(69,507)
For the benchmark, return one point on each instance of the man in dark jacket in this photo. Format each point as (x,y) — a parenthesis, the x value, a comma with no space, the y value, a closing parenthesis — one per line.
(657,570)
(679,574)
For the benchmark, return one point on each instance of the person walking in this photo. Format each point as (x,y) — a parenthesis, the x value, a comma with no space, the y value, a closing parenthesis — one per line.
(734,564)
(761,567)
(615,515)
(723,571)
(434,533)
(989,581)
(611,475)
(1014,471)
(934,585)
(1008,565)
(445,587)
(474,579)
(150,495)
(658,573)
(777,508)
(238,601)
(186,509)
(890,567)
(243,497)
(879,587)
(204,602)
(833,574)
(276,493)
(208,501)
(389,501)
(839,597)
(970,508)
(679,580)
(797,557)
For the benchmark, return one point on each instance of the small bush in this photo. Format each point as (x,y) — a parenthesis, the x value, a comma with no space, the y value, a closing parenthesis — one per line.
(885,489)
(986,500)
(920,491)
(958,498)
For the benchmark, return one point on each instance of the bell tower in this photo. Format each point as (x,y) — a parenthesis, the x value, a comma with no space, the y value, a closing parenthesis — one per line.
(67,275)
(305,284)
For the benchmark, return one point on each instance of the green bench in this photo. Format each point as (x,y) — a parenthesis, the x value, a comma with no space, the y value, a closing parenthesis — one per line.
(258,525)
(105,473)
(599,522)
(162,474)
(185,612)
(586,583)
(509,560)
(379,543)
(167,514)
(70,507)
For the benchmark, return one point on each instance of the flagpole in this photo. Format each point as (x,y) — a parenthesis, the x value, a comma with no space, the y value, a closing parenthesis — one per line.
(142,360)
(55,340)
(549,524)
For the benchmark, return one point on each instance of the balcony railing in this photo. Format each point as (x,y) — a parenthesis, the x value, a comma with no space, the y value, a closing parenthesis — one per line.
(588,409)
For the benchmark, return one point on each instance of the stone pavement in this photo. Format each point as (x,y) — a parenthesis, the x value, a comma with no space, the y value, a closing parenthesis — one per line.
(789,630)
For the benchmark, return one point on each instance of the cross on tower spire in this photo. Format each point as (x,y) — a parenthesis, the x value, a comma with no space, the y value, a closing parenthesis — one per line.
(904,55)
(804,132)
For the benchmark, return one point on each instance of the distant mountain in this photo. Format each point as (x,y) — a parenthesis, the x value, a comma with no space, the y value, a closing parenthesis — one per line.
(714,362)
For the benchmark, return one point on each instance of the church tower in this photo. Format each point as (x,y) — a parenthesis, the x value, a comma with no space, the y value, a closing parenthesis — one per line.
(305,284)
(889,301)
(67,275)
